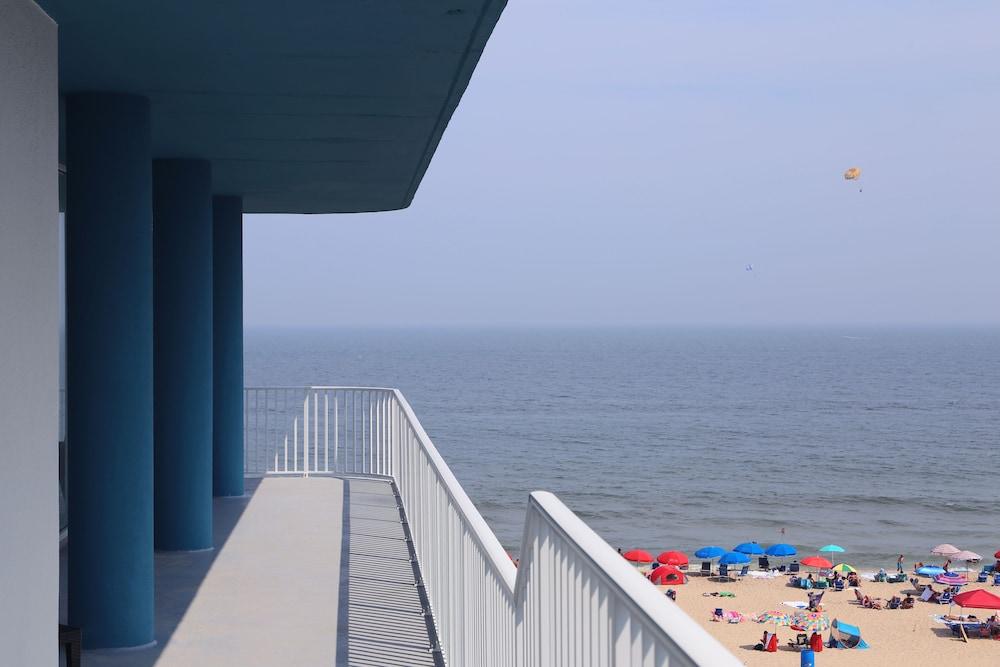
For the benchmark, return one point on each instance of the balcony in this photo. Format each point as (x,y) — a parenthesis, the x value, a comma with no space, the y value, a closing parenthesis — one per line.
(356,545)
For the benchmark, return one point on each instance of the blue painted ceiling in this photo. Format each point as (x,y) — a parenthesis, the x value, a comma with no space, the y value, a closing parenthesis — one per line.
(307,106)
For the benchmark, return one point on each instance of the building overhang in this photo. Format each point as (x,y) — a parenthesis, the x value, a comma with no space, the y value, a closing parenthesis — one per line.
(311,106)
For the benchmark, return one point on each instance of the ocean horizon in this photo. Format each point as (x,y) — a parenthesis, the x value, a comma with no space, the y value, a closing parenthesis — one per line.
(880,439)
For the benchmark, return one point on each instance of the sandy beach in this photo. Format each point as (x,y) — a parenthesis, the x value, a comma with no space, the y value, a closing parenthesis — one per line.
(897,637)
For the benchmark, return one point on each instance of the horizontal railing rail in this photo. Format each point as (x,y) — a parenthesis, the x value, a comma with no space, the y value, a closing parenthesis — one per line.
(571,601)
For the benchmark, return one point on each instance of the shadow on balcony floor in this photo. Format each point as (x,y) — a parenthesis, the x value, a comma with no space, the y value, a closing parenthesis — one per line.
(266,595)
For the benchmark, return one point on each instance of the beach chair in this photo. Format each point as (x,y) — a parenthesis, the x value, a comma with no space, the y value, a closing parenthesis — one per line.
(946,597)
(839,585)
(793,567)
(763,563)
(822,583)
(743,572)
(717,614)
(706,568)
(801,642)
(982,578)
(996,578)
(723,571)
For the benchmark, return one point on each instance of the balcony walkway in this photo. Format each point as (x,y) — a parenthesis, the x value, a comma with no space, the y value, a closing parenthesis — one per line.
(274,592)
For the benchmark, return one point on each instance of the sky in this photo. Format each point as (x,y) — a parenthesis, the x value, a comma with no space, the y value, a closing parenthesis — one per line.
(621,163)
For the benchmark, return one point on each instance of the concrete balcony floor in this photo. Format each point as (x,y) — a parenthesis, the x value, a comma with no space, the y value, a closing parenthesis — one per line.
(305,571)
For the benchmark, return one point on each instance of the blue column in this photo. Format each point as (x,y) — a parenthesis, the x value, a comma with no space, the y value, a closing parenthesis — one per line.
(227,272)
(182,353)
(109,368)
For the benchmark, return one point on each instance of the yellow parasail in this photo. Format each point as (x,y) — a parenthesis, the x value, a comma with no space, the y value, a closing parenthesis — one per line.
(852,174)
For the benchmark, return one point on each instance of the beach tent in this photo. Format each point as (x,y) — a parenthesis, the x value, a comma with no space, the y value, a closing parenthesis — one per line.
(843,635)
(930,571)
(667,575)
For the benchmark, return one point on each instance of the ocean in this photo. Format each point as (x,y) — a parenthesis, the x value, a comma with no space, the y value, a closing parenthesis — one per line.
(884,441)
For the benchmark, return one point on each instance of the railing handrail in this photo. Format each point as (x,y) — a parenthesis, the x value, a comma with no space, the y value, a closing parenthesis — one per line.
(644,598)
(487,539)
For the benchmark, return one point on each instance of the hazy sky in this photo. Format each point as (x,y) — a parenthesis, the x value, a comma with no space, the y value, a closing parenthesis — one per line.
(621,162)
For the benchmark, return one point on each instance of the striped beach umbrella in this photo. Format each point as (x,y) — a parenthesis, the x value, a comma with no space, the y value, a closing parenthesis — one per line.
(843,568)
(811,621)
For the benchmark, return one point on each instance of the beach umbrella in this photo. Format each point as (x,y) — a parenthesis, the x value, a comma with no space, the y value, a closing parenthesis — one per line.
(811,621)
(997,554)
(816,561)
(750,548)
(950,579)
(843,568)
(638,556)
(979,598)
(667,575)
(709,553)
(734,558)
(780,550)
(930,571)
(967,556)
(945,550)
(832,548)
(672,558)
(775,617)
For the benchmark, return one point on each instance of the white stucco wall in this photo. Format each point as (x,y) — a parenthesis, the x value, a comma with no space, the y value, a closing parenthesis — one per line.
(29,301)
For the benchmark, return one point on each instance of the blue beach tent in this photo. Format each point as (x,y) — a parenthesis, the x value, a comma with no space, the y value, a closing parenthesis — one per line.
(843,635)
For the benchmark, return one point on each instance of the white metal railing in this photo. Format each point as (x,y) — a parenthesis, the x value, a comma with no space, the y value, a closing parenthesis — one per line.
(572,601)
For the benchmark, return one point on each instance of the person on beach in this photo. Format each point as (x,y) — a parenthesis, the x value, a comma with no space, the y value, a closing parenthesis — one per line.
(945,566)
(899,564)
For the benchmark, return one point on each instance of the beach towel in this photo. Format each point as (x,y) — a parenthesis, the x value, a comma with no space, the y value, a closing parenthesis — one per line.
(795,604)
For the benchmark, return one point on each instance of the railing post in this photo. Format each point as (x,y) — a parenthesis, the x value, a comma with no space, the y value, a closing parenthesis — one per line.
(305,435)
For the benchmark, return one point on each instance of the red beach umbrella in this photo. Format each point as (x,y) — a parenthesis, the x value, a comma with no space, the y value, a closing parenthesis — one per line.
(816,561)
(638,556)
(977,599)
(672,558)
(667,575)
(997,554)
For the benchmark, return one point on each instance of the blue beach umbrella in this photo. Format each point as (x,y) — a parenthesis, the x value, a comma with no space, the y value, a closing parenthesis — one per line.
(734,558)
(780,550)
(832,548)
(709,553)
(750,548)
